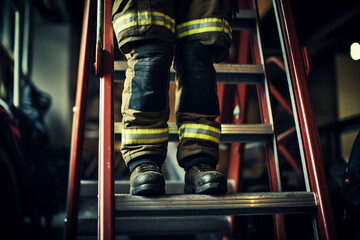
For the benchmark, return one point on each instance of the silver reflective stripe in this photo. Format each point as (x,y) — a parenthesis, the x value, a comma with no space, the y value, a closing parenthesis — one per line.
(145,136)
(199,131)
(142,19)
(203,26)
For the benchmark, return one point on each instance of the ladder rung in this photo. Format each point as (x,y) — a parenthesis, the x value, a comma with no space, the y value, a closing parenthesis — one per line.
(204,205)
(159,225)
(245,20)
(246,132)
(229,132)
(226,73)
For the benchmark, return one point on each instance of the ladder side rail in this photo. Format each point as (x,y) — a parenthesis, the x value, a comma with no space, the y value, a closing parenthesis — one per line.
(280,98)
(106,199)
(271,149)
(309,136)
(281,64)
(77,136)
(265,102)
(284,103)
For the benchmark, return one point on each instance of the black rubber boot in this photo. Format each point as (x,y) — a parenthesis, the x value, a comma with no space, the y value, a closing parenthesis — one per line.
(147,180)
(203,179)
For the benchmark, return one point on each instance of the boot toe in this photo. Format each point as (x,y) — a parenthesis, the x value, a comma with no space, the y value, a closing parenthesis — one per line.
(205,180)
(147,182)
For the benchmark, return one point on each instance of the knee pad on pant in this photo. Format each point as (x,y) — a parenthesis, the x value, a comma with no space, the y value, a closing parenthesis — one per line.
(197,76)
(149,83)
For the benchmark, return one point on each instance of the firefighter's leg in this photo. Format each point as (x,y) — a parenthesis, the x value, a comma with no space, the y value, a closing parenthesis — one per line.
(197,108)
(145,113)
(203,36)
(144,31)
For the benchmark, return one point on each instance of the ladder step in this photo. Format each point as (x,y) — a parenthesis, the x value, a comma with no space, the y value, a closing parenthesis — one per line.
(245,20)
(226,205)
(229,132)
(160,225)
(226,73)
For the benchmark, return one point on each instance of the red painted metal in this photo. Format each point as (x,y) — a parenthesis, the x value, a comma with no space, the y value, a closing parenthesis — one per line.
(236,162)
(286,134)
(78,123)
(307,61)
(273,90)
(277,95)
(306,120)
(106,199)
(264,105)
(291,131)
(240,99)
(236,96)
(225,104)
(277,61)
(291,160)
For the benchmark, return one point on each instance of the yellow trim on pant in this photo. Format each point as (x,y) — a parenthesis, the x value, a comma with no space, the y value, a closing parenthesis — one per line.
(199,131)
(144,136)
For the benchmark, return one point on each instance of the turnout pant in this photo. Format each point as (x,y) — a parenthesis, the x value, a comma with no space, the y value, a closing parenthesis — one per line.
(151,33)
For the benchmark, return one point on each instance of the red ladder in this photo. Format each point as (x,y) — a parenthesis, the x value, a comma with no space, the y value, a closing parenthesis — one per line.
(316,195)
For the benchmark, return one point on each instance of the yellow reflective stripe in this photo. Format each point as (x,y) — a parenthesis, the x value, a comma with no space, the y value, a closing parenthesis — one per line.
(145,136)
(145,131)
(200,30)
(202,26)
(160,14)
(198,21)
(142,19)
(199,131)
(160,23)
(200,136)
(200,126)
(205,20)
(145,141)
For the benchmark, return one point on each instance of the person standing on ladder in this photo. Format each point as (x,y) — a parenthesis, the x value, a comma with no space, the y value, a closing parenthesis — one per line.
(150,33)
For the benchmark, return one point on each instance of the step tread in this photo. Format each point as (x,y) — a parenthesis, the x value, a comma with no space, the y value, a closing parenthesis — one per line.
(229,204)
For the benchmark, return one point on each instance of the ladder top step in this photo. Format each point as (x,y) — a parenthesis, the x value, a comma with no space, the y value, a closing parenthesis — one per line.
(229,132)
(204,205)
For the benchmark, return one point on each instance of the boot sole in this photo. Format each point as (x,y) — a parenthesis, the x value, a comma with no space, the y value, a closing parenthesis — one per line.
(148,190)
(209,189)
